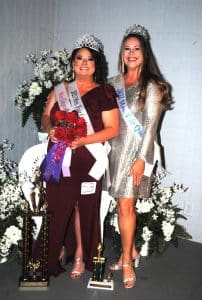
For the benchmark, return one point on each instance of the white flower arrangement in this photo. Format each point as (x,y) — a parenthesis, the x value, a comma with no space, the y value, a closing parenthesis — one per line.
(157,218)
(10,203)
(50,69)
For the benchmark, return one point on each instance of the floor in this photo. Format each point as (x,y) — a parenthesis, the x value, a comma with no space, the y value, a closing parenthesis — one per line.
(176,275)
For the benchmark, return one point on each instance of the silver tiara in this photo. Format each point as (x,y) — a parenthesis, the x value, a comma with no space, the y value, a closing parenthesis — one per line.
(90,41)
(137,29)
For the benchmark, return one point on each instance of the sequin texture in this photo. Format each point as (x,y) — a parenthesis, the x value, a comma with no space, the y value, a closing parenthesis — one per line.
(126,147)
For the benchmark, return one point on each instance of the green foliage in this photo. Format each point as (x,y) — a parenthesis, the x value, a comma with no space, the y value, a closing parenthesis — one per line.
(49,70)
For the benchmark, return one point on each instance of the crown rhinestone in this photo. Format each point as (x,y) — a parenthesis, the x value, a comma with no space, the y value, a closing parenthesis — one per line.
(137,29)
(90,41)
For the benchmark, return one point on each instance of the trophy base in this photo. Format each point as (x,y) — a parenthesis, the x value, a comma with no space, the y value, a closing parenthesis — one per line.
(102,285)
(39,283)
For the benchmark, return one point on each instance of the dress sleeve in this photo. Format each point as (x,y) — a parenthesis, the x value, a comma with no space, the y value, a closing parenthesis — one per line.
(152,112)
(109,98)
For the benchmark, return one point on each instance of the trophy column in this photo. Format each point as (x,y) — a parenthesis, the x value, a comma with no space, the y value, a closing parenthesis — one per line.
(97,281)
(35,272)
(98,262)
(44,248)
(26,246)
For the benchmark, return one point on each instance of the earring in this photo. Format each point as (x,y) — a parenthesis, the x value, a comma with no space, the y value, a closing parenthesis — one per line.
(122,66)
(73,75)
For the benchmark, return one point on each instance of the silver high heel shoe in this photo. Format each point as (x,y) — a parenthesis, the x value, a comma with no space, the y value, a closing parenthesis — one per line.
(117,266)
(130,281)
(78,268)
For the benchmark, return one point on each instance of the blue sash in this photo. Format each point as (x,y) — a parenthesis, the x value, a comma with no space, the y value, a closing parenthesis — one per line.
(133,123)
(128,116)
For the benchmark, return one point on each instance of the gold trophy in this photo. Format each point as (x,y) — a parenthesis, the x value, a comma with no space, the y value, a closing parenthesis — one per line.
(97,281)
(35,272)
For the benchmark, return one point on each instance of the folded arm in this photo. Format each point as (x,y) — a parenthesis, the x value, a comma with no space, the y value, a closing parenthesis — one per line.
(111,127)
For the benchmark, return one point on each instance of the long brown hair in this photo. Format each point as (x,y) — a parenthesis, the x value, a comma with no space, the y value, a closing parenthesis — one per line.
(149,72)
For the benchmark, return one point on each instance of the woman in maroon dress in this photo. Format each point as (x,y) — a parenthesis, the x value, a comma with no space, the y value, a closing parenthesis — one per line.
(75,200)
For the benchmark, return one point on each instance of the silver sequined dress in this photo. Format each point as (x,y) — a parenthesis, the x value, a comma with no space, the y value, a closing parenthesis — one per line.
(126,147)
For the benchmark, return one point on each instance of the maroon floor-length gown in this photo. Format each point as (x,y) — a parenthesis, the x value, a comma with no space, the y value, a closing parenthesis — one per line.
(62,197)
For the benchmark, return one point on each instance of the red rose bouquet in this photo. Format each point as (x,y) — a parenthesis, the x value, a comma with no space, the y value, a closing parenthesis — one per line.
(69,126)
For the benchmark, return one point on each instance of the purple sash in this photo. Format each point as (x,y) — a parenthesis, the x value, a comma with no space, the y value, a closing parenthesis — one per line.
(52,163)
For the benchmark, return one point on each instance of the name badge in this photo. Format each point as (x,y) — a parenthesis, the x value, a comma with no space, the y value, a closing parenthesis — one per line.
(88,188)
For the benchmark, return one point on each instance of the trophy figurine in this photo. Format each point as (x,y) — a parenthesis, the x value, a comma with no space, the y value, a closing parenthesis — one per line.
(97,281)
(37,194)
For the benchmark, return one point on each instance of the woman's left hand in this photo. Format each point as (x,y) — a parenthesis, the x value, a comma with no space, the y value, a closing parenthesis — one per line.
(78,142)
(137,171)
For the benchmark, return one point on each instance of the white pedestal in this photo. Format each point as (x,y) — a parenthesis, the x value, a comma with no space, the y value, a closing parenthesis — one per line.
(102,285)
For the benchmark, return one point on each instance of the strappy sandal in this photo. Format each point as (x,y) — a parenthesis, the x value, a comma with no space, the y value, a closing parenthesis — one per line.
(118,266)
(78,268)
(129,282)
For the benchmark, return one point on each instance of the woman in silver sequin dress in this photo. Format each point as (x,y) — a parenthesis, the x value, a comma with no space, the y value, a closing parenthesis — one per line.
(133,153)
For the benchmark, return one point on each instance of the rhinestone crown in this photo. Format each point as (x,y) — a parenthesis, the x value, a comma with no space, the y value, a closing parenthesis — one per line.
(137,29)
(90,41)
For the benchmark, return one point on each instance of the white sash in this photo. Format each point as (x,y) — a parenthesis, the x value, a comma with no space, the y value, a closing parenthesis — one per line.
(76,101)
(72,101)
(134,124)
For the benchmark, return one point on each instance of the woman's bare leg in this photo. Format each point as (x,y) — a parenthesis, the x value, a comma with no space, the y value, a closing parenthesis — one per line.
(79,248)
(78,265)
(127,226)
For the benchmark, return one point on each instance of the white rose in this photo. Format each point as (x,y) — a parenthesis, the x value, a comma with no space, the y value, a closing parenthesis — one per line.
(167,229)
(154,217)
(48,84)
(2,175)
(144,205)
(114,222)
(144,249)
(166,195)
(14,234)
(35,89)
(3,260)
(5,245)
(170,215)
(113,205)
(146,234)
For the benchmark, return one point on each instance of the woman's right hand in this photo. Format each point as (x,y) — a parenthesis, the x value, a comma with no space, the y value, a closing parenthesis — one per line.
(137,171)
(52,135)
